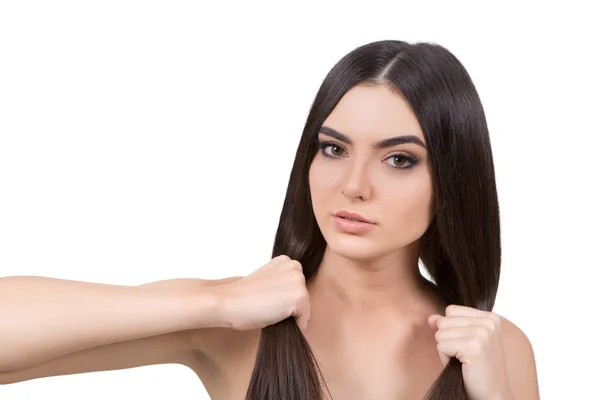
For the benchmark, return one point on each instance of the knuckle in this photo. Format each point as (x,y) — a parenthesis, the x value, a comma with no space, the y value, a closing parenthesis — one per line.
(496,319)
(491,325)
(300,279)
(451,309)
(441,323)
(482,332)
(302,295)
(295,264)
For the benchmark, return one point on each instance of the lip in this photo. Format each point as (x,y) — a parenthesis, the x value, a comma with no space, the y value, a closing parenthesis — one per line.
(353,215)
(353,227)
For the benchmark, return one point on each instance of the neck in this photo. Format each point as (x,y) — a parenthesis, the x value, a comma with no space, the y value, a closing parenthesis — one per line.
(390,282)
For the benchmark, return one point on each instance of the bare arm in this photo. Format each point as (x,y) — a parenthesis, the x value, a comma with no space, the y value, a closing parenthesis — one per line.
(46,318)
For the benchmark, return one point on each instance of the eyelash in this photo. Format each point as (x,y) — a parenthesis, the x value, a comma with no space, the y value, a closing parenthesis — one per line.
(413,160)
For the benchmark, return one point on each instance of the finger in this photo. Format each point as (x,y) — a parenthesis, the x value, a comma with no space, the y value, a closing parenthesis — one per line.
(281,259)
(302,323)
(454,310)
(302,320)
(444,359)
(461,348)
(295,264)
(302,312)
(275,261)
(449,348)
(432,321)
(456,333)
(456,322)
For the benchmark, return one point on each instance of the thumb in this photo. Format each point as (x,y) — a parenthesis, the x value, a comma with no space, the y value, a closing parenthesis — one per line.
(432,322)
(303,315)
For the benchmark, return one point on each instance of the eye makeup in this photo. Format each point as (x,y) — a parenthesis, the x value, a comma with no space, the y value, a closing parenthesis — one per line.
(326,147)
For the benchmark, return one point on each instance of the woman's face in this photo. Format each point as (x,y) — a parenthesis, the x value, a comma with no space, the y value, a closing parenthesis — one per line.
(388,184)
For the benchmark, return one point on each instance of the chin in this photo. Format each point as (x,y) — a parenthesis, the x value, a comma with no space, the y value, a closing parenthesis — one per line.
(354,247)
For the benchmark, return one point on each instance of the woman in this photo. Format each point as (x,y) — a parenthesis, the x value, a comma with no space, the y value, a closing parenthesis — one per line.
(394,166)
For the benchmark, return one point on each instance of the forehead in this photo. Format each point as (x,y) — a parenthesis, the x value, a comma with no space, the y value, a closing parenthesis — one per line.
(373,113)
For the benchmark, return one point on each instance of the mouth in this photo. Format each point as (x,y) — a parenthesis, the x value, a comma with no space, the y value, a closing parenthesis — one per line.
(352,223)
(352,216)
(354,219)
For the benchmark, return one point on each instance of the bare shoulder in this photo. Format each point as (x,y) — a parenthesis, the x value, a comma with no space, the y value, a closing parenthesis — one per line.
(520,361)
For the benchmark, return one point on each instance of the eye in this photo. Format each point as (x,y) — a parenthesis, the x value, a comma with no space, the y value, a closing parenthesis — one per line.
(336,150)
(401,161)
(330,149)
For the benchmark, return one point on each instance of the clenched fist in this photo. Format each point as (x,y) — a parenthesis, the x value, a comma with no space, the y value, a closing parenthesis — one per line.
(270,294)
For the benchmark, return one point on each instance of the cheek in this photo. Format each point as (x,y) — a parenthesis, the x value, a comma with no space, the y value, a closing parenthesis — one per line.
(322,183)
(409,209)
(324,175)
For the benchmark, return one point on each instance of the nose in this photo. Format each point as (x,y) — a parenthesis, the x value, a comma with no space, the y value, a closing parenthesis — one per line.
(357,184)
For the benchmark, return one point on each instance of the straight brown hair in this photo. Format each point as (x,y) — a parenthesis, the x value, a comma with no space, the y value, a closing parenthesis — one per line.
(460,249)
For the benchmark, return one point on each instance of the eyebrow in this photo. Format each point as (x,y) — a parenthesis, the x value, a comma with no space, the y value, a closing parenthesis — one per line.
(379,145)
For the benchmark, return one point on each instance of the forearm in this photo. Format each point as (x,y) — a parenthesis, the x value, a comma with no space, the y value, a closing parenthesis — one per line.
(43,318)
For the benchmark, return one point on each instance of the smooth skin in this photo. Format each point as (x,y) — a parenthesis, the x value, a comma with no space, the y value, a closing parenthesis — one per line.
(374,323)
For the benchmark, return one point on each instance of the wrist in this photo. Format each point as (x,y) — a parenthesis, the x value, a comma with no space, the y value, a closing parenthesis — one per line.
(190,303)
(220,299)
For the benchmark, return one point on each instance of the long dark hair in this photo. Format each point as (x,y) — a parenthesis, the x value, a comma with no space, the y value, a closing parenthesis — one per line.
(460,249)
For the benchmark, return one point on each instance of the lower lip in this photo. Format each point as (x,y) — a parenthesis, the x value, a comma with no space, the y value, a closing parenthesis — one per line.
(349,226)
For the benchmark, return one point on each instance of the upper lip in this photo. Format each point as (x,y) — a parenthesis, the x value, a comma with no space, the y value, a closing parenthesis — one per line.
(353,215)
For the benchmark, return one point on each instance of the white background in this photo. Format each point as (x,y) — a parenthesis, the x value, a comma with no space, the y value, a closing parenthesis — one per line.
(142,141)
